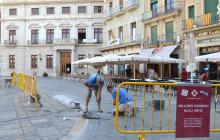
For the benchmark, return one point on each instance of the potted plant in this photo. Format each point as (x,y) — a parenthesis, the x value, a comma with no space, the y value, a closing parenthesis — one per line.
(45,74)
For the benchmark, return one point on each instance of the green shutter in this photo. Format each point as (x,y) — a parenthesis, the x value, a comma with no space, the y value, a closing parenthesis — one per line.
(191,11)
(154,34)
(169,31)
(153,1)
(211,7)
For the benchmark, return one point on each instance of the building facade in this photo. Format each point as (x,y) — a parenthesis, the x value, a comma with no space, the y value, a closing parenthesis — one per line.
(163,28)
(124,29)
(201,20)
(40,36)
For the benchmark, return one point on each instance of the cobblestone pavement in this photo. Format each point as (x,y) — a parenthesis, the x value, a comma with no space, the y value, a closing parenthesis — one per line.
(104,128)
(19,121)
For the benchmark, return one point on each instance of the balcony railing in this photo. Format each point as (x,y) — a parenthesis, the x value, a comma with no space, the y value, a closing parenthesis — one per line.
(201,21)
(64,41)
(169,8)
(125,40)
(10,43)
(118,10)
(162,39)
(109,14)
(130,4)
(39,42)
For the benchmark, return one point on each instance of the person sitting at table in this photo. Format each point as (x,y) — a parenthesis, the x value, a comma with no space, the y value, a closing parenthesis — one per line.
(150,73)
(204,75)
(124,99)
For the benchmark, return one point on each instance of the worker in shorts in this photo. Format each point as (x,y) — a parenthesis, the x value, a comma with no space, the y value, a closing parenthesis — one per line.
(94,83)
(124,99)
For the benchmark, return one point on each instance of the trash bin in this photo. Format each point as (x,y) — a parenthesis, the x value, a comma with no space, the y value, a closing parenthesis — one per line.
(157,104)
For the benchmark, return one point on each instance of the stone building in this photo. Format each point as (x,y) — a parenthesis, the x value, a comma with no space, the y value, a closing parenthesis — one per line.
(48,35)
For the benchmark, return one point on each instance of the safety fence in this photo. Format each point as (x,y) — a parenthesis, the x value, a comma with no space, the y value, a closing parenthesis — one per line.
(154,109)
(27,83)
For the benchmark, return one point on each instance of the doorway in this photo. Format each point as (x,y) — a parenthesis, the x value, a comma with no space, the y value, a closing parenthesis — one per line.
(65,63)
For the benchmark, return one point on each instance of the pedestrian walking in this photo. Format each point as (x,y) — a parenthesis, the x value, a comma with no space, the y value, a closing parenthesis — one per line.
(94,83)
(184,75)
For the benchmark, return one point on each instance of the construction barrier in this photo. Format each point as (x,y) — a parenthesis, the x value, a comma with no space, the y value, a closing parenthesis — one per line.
(27,83)
(154,109)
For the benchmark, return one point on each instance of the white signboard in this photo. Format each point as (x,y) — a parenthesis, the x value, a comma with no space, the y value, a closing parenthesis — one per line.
(114,42)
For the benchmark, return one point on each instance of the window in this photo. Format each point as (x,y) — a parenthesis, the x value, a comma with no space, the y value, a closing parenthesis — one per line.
(98,34)
(49,61)
(169,31)
(35,11)
(109,35)
(121,3)
(133,31)
(110,5)
(98,9)
(191,12)
(211,7)
(12,36)
(33,61)
(11,61)
(65,33)
(154,7)
(65,10)
(81,9)
(80,57)
(120,34)
(34,36)
(50,10)
(12,11)
(169,5)
(49,36)
(81,35)
(154,35)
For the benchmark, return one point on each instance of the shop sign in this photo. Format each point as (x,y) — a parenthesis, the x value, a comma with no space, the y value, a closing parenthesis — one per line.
(193,111)
(114,42)
(209,40)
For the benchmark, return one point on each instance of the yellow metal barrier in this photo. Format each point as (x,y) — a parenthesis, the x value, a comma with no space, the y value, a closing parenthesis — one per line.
(27,83)
(13,82)
(155,124)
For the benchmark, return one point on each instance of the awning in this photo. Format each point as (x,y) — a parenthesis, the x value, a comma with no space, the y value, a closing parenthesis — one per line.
(213,57)
(159,52)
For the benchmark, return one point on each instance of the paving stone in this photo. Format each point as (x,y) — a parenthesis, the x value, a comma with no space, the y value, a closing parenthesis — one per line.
(9,126)
(10,132)
(47,131)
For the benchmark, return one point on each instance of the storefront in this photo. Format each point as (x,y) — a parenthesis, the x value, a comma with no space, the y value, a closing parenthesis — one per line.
(208,46)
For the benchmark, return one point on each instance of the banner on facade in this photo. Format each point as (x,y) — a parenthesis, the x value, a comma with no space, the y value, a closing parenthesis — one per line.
(193,111)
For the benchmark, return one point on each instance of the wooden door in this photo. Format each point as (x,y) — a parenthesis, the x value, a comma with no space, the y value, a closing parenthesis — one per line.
(65,59)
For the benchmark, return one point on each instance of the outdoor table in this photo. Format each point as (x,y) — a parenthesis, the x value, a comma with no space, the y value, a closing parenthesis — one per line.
(135,80)
(194,81)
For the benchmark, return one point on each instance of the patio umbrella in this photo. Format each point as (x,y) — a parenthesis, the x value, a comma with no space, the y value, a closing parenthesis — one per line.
(213,57)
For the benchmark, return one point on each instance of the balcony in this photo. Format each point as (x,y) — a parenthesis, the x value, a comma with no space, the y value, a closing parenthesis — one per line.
(64,41)
(109,15)
(163,39)
(131,4)
(126,41)
(10,43)
(39,43)
(162,12)
(201,21)
(118,10)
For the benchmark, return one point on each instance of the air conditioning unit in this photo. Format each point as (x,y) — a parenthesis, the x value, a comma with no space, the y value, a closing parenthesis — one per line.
(89,40)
